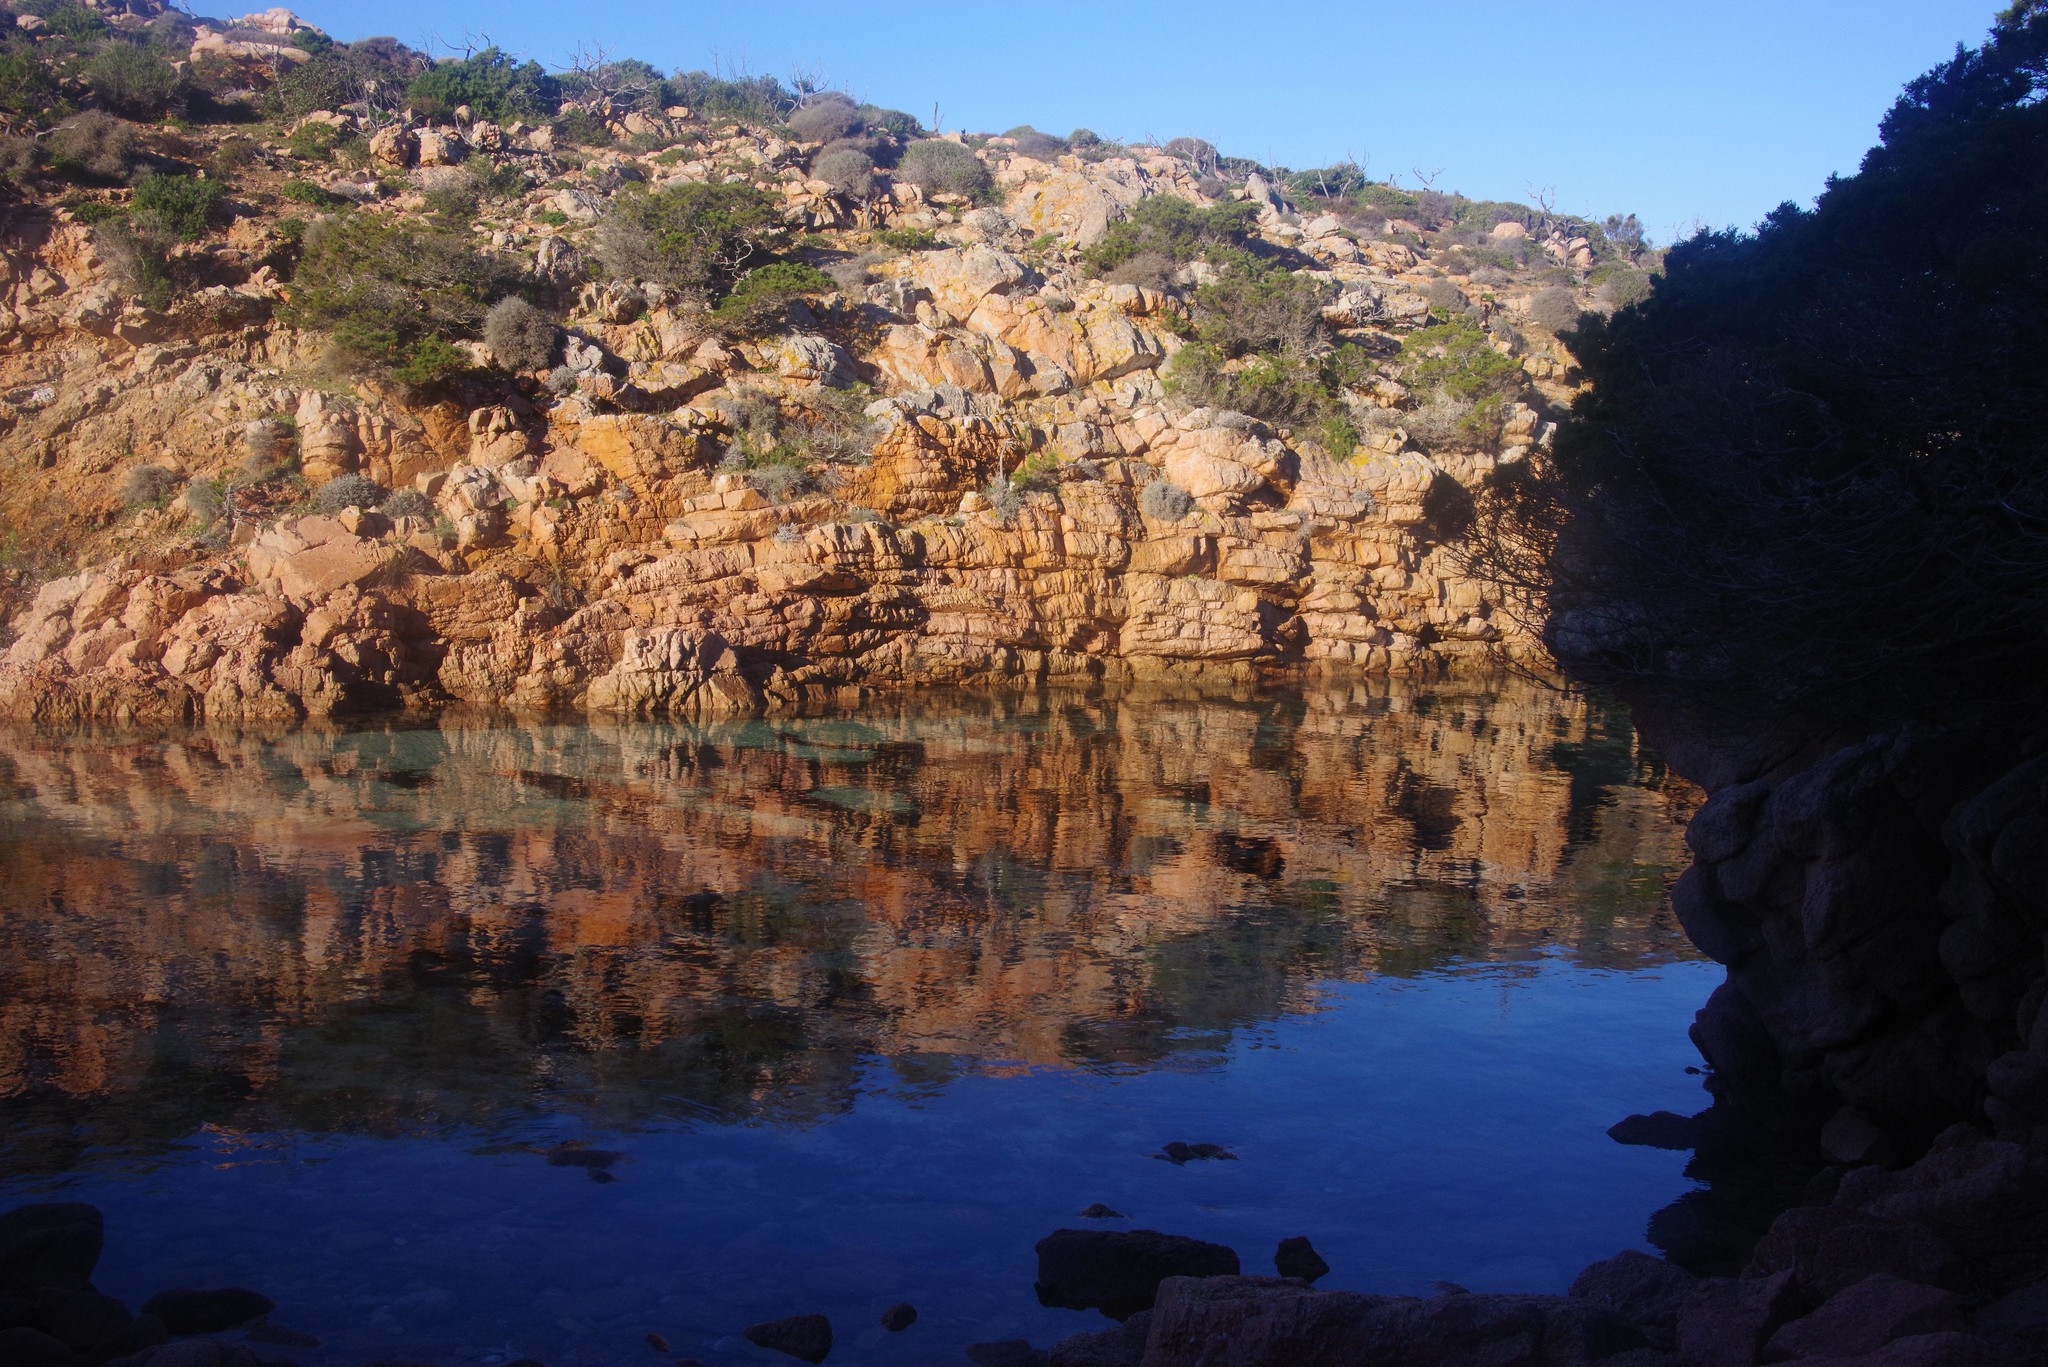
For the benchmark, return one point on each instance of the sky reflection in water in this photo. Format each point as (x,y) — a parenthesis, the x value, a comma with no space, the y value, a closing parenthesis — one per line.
(866,1005)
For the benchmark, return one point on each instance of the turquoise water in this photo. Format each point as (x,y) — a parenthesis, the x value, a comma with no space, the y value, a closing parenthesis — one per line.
(478,1041)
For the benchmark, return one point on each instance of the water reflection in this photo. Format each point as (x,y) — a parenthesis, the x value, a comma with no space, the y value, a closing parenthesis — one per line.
(412,929)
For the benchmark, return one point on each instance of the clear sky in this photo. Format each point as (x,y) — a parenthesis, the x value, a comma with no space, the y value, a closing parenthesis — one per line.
(1712,111)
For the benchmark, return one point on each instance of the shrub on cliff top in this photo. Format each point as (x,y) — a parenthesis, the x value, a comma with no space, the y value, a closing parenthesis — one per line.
(396,295)
(696,237)
(1255,307)
(937,166)
(824,118)
(493,85)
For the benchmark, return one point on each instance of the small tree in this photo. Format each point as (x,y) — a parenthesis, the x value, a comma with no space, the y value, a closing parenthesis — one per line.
(824,118)
(848,170)
(696,237)
(493,85)
(132,80)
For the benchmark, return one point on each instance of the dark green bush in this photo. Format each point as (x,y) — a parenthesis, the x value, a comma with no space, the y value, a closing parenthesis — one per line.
(377,71)
(306,192)
(1255,307)
(395,294)
(20,158)
(936,166)
(26,87)
(1455,362)
(314,141)
(762,296)
(493,85)
(894,122)
(745,99)
(695,237)
(1621,289)
(68,19)
(1172,227)
(907,239)
(179,207)
(131,80)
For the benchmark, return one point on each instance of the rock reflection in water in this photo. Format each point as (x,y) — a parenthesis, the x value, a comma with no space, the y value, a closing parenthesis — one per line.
(407,929)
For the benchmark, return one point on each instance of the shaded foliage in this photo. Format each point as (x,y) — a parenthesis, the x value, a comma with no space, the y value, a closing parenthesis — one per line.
(1806,482)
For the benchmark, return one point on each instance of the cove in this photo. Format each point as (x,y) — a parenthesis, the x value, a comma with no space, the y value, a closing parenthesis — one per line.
(472,1040)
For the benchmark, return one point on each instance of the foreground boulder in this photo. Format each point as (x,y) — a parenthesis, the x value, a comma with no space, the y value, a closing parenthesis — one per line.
(51,1245)
(1241,1321)
(187,1311)
(1119,1271)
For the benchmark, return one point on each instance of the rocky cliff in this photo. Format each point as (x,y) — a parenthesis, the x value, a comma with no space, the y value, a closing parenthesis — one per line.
(592,534)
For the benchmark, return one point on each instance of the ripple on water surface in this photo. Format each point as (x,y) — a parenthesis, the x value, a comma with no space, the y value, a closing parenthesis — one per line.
(481,1041)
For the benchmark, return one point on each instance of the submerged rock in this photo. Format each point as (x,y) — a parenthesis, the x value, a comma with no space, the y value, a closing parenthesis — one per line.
(807,1337)
(1178,1153)
(1119,1271)
(1095,1210)
(899,1317)
(1007,1353)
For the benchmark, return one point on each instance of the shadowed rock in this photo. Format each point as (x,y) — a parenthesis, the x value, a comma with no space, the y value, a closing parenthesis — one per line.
(1119,1271)
(808,1337)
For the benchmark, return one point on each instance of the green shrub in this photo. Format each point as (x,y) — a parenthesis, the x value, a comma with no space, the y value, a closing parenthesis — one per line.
(829,425)
(582,128)
(1255,307)
(377,71)
(347,491)
(306,192)
(180,207)
(394,294)
(1197,153)
(313,141)
(746,99)
(519,335)
(907,239)
(1456,363)
(149,486)
(26,87)
(1174,228)
(493,85)
(894,122)
(69,19)
(695,237)
(1032,143)
(96,145)
(936,166)
(763,295)
(1005,498)
(1289,390)
(132,80)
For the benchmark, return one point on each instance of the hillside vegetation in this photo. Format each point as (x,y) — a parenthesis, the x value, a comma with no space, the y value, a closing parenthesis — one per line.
(550,325)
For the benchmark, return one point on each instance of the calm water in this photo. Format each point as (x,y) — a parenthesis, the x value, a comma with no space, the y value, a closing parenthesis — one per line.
(863,1005)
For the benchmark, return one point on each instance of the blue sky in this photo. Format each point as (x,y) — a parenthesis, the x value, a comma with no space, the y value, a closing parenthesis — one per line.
(1711,112)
